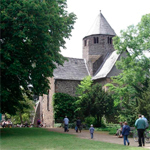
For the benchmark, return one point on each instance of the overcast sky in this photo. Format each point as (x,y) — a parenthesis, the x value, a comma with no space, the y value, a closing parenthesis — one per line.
(119,14)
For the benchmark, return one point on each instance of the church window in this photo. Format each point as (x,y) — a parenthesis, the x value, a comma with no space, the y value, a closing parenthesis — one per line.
(109,40)
(96,40)
(48,101)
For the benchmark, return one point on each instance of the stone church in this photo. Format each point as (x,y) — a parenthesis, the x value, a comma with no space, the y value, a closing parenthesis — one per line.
(98,60)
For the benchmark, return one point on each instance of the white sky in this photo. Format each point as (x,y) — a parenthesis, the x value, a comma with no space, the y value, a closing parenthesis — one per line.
(119,14)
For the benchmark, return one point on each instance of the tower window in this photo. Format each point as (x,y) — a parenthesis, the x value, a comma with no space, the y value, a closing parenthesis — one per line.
(96,40)
(109,40)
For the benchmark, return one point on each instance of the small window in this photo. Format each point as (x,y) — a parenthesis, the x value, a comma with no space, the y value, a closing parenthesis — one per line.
(96,40)
(109,40)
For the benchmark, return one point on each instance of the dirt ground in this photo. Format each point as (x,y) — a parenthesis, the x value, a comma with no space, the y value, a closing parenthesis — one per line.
(99,136)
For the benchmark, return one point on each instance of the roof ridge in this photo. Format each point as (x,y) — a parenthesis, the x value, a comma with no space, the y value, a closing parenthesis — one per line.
(101,26)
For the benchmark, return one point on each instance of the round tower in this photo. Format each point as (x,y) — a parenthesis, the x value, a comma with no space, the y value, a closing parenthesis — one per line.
(98,43)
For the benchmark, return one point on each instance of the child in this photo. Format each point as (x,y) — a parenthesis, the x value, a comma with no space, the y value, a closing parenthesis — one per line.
(125,133)
(91,131)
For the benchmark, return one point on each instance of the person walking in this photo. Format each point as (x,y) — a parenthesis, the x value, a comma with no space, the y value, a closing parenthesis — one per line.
(38,123)
(140,125)
(66,122)
(91,131)
(125,133)
(78,124)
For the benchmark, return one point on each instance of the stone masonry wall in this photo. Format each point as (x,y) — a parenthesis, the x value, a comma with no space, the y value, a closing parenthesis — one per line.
(101,48)
(47,106)
(66,86)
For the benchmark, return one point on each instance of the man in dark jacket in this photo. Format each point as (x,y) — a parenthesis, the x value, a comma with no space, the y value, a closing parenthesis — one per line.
(78,124)
(141,125)
(125,133)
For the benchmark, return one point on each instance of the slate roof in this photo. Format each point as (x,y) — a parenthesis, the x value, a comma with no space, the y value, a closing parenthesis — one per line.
(73,69)
(107,65)
(101,26)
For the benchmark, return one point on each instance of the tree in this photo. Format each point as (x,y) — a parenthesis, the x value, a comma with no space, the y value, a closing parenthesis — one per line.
(82,90)
(33,31)
(93,100)
(25,111)
(128,86)
(97,103)
(64,104)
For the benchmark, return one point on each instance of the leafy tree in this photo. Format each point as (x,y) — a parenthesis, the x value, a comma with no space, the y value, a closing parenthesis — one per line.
(97,103)
(64,104)
(32,33)
(144,102)
(25,112)
(128,86)
(82,90)
(93,100)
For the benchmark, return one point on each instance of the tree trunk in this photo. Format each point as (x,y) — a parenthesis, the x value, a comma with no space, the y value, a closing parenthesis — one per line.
(99,118)
(21,118)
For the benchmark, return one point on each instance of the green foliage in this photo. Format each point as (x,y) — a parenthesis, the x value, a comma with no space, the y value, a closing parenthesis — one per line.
(82,90)
(84,86)
(144,102)
(32,33)
(24,113)
(129,87)
(64,104)
(89,121)
(94,101)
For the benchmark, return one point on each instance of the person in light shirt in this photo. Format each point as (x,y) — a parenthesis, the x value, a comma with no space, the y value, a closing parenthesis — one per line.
(140,125)
(66,122)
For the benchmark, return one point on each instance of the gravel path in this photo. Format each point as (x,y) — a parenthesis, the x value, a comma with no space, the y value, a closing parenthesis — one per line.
(98,136)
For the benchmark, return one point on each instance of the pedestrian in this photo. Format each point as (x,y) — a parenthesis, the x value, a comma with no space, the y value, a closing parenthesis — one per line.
(78,125)
(38,123)
(146,121)
(66,123)
(125,133)
(91,131)
(119,131)
(140,125)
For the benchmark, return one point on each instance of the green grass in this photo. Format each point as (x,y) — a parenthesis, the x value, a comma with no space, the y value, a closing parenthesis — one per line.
(42,139)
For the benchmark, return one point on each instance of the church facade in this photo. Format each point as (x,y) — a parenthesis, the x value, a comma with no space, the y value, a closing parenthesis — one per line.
(98,60)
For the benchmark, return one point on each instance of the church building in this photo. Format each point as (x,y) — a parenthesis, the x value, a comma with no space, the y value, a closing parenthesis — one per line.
(98,60)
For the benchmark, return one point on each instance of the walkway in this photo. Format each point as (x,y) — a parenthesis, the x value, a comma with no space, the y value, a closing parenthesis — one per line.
(99,136)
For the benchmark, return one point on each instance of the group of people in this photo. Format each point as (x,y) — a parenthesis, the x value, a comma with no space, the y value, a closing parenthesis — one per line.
(6,124)
(141,124)
(78,126)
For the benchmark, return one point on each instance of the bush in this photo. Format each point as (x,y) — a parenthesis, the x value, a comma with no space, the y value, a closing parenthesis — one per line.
(64,105)
(89,121)
(113,131)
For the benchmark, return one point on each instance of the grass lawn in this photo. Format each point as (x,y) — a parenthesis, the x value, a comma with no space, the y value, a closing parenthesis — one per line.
(42,139)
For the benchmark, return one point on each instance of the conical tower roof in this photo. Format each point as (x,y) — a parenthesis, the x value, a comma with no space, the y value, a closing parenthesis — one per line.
(101,26)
